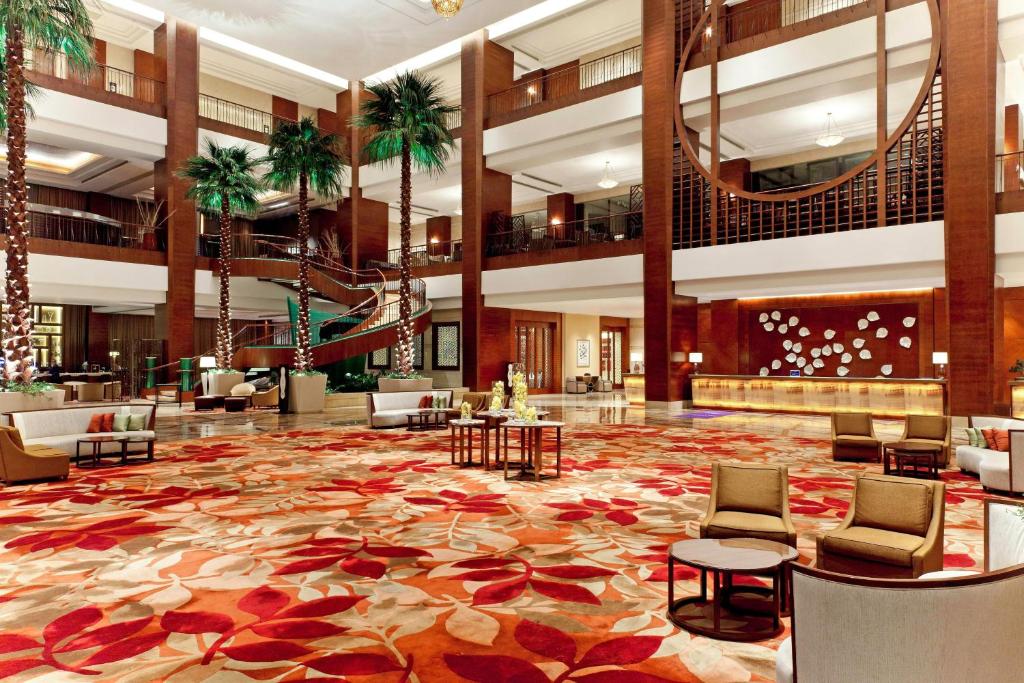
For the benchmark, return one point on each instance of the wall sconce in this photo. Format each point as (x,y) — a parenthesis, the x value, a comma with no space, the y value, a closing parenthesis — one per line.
(696,358)
(531,91)
(940,359)
(112,86)
(114,355)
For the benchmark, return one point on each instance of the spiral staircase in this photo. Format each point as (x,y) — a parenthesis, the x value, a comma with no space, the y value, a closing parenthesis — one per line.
(372,298)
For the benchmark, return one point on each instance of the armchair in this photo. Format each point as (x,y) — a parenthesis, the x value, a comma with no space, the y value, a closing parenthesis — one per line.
(603,385)
(478,401)
(18,463)
(749,501)
(575,385)
(853,437)
(267,398)
(893,529)
(929,429)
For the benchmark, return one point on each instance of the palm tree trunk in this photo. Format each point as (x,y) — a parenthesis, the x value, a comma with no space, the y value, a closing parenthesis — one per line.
(405,351)
(18,320)
(224,351)
(303,352)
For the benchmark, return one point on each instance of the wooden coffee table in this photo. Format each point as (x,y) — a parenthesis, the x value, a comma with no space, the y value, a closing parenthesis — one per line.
(909,456)
(425,419)
(465,429)
(737,613)
(96,444)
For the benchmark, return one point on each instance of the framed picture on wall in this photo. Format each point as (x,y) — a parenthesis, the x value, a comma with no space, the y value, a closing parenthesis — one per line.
(583,353)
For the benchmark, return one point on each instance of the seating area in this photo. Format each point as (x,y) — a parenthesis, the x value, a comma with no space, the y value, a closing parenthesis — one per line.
(393,409)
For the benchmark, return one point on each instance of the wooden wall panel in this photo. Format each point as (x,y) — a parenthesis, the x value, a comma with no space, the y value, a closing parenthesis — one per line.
(969,103)
(284,108)
(561,208)
(477,363)
(718,336)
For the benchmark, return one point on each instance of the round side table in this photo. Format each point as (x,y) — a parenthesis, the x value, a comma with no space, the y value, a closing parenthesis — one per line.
(465,429)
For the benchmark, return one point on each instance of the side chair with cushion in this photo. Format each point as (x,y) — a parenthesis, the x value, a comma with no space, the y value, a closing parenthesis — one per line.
(893,529)
(18,463)
(574,385)
(749,501)
(853,437)
(929,429)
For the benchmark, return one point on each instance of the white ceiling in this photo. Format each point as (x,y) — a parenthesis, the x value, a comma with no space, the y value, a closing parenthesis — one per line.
(350,38)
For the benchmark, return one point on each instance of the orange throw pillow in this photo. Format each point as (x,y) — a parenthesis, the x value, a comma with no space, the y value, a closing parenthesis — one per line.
(1002,438)
(427,401)
(990,438)
(95,424)
(108,422)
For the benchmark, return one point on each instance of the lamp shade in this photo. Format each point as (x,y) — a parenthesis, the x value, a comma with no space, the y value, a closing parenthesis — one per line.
(696,357)
(940,358)
(636,357)
(207,362)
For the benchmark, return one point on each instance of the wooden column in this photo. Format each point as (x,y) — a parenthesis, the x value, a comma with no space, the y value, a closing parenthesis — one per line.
(736,172)
(969,102)
(177,49)
(486,68)
(362,223)
(657,135)
(1011,145)
(561,210)
(284,109)
(439,235)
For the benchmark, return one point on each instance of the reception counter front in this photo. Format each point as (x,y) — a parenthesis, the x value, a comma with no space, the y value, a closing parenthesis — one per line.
(880,396)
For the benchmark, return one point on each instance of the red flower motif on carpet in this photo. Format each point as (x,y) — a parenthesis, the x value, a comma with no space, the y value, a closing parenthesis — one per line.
(513,575)
(175,495)
(98,536)
(618,510)
(456,501)
(369,488)
(322,553)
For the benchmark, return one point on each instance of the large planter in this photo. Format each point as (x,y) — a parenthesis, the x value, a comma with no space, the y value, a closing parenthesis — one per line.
(16,401)
(306,393)
(221,383)
(390,385)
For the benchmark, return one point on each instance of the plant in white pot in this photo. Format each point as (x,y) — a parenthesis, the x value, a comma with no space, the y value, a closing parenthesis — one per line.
(306,391)
(397,380)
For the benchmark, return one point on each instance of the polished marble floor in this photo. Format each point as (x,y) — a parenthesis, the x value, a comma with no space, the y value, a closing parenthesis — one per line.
(174,424)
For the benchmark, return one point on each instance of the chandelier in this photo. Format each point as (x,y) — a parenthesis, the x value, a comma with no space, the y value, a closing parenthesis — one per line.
(607,182)
(831,135)
(447,8)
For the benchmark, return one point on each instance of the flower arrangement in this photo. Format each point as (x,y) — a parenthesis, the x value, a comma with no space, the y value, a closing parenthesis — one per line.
(497,396)
(466,410)
(519,394)
(531,415)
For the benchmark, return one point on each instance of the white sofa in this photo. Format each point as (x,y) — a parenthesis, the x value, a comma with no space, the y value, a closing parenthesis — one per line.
(61,428)
(389,409)
(996,470)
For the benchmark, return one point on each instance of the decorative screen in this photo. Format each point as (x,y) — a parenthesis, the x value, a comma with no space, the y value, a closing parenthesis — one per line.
(446,346)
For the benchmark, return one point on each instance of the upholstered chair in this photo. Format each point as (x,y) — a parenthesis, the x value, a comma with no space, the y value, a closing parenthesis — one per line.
(479,401)
(91,392)
(575,385)
(749,501)
(267,398)
(893,529)
(853,437)
(848,629)
(929,429)
(18,463)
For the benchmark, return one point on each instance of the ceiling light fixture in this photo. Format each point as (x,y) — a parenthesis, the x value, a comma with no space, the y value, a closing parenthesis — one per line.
(607,182)
(831,136)
(447,8)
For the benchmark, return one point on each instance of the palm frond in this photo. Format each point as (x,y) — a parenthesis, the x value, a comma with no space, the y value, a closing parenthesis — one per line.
(54,26)
(300,148)
(223,173)
(408,109)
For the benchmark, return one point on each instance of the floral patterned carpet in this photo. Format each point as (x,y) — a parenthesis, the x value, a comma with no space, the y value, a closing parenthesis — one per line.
(351,555)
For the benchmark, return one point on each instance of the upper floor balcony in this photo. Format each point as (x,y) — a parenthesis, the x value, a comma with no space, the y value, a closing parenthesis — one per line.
(103,83)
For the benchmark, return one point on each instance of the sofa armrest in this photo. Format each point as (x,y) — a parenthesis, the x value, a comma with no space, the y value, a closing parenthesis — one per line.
(1017,460)
(929,557)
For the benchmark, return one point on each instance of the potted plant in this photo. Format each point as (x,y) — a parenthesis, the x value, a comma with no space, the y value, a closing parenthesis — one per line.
(302,156)
(306,391)
(1018,368)
(17,396)
(396,380)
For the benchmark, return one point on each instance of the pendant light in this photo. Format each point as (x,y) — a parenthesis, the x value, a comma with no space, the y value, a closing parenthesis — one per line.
(607,182)
(447,8)
(831,135)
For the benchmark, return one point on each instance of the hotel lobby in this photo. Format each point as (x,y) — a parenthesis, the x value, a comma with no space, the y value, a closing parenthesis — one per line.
(526,341)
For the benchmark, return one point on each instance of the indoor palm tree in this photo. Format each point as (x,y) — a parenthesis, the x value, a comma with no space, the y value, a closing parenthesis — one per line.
(52,26)
(406,119)
(302,156)
(224,183)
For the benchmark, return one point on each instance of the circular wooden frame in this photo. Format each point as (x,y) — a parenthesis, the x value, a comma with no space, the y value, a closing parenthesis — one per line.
(877,156)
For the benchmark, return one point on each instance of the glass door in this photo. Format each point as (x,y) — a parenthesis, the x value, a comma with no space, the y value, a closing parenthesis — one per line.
(611,356)
(535,353)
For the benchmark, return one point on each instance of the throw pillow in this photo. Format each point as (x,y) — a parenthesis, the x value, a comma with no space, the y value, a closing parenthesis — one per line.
(108,422)
(136,422)
(121,423)
(1002,437)
(973,436)
(95,424)
(426,401)
(990,438)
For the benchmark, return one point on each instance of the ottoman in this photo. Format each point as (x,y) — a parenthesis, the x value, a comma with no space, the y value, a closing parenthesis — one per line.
(235,404)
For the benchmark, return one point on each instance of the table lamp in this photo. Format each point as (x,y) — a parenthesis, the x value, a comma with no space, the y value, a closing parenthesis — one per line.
(696,358)
(940,359)
(207,363)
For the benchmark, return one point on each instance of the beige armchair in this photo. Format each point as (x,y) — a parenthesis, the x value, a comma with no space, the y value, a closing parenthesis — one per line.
(893,529)
(268,398)
(853,437)
(18,463)
(929,429)
(749,501)
(479,401)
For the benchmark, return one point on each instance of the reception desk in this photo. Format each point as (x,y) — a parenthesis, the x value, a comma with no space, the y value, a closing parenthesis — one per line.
(636,388)
(880,396)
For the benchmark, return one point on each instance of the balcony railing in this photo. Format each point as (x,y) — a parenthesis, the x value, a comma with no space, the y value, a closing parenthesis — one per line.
(1010,172)
(453,120)
(746,19)
(101,77)
(82,230)
(567,82)
(589,231)
(423,255)
(239,115)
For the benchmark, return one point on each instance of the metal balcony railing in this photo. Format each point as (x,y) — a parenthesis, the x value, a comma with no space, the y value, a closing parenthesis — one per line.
(83,230)
(589,231)
(101,77)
